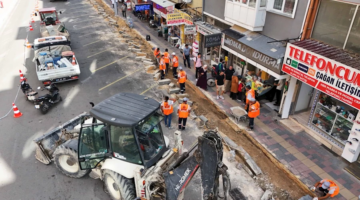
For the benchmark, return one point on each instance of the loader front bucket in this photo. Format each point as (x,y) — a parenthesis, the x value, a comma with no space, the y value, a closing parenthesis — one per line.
(48,142)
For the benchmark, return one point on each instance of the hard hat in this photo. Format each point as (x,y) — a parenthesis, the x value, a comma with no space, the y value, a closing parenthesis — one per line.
(173,53)
(185,99)
(180,68)
(325,185)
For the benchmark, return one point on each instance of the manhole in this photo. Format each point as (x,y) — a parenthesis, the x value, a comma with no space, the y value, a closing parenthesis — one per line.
(237,195)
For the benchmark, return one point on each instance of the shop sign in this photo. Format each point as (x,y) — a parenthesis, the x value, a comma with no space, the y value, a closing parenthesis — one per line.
(213,40)
(190,30)
(202,30)
(142,7)
(178,18)
(264,60)
(161,11)
(335,79)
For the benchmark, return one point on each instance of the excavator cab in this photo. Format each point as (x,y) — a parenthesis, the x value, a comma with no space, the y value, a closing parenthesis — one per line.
(125,127)
(49,16)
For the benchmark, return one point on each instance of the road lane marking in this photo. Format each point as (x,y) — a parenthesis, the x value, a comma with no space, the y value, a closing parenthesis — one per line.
(78,28)
(91,43)
(100,52)
(108,64)
(149,89)
(141,68)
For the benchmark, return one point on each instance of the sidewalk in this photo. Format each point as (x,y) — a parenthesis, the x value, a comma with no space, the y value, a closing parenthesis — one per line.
(299,152)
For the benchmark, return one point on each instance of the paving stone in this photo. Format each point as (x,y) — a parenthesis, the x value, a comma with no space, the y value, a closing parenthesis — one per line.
(174,90)
(164,82)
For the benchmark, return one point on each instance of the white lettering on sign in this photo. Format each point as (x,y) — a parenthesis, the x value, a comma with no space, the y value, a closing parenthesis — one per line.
(182,180)
(336,79)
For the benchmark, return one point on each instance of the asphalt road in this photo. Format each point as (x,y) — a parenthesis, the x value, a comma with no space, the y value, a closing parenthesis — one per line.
(106,69)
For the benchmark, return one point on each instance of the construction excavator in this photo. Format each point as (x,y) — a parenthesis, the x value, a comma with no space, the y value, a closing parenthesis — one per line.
(122,143)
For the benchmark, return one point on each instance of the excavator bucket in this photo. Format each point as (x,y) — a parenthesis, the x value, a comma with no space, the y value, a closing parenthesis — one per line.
(48,142)
(207,157)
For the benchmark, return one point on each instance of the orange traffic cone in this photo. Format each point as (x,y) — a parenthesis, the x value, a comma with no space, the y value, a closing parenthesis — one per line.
(30,28)
(27,44)
(21,74)
(32,20)
(73,60)
(17,113)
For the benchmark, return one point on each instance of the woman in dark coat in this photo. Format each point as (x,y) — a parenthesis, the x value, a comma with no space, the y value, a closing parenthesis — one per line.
(202,80)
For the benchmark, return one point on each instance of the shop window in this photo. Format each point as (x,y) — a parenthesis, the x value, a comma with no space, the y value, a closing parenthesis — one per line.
(285,7)
(354,36)
(333,22)
(263,3)
(252,3)
(334,118)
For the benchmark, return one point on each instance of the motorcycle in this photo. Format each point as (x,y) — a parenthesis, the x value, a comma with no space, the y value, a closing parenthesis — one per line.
(44,103)
(30,94)
(211,80)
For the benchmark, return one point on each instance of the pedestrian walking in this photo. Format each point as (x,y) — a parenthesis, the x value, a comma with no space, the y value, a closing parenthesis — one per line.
(167,59)
(278,90)
(167,109)
(220,66)
(182,77)
(162,66)
(326,188)
(202,81)
(186,55)
(157,55)
(219,82)
(198,65)
(234,87)
(123,10)
(183,112)
(241,89)
(228,76)
(253,83)
(254,111)
(250,94)
(175,64)
(113,3)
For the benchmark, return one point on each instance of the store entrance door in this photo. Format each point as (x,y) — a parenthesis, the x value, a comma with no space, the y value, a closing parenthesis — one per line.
(305,95)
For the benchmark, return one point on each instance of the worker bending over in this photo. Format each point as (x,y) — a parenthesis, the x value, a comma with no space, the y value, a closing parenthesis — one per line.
(326,188)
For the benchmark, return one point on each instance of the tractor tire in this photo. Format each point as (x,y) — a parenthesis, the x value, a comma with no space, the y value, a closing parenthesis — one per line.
(119,187)
(66,160)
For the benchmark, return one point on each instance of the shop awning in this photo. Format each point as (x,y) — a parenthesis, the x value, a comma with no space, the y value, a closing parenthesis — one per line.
(206,28)
(256,49)
(163,3)
(339,55)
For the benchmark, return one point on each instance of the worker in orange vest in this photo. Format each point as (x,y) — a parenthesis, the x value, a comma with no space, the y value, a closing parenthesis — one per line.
(175,64)
(254,111)
(182,77)
(250,94)
(326,188)
(162,66)
(167,59)
(157,54)
(183,112)
(167,109)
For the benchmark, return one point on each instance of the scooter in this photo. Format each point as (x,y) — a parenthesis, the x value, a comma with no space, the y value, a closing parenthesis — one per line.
(30,94)
(44,103)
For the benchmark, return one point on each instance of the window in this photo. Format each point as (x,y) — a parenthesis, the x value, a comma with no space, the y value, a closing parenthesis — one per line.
(252,3)
(284,6)
(124,145)
(263,3)
(333,22)
(354,36)
(244,1)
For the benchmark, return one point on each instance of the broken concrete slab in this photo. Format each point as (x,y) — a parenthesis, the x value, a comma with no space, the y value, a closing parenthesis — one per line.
(150,67)
(164,82)
(141,54)
(267,195)
(172,85)
(174,90)
(182,95)
(157,76)
(147,62)
(147,59)
(136,50)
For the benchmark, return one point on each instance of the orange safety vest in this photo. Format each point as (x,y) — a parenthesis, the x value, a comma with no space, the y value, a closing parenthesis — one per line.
(184,110)
(182,77)
(156,53)
(254,110)
(162,65)
(167,109)
(252,92)
(166,57)
(333,186)
(175,61)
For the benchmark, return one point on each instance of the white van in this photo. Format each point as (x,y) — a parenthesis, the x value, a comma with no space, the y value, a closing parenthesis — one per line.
(54,60)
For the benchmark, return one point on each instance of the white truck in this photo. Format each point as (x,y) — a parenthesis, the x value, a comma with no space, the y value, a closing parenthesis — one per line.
(54,60)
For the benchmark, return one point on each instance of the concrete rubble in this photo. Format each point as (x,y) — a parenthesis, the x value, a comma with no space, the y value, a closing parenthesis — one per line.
(164,82)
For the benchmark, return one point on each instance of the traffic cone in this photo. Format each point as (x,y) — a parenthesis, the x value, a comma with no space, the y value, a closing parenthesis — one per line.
(21,74)
(27,44)
(30,28)
(17,113)
(73,60)
(32,20)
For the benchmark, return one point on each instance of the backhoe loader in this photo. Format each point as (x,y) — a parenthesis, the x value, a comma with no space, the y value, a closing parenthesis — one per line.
(121,142)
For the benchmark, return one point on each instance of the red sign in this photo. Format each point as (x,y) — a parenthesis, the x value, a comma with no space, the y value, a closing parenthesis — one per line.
(335,79)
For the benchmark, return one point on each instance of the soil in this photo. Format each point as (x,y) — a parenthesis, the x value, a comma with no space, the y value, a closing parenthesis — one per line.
(276,177)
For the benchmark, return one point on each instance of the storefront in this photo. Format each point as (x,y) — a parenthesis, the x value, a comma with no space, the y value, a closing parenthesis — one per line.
(334,77)
(161,8)
(180,27)
(209,43)
(145,8)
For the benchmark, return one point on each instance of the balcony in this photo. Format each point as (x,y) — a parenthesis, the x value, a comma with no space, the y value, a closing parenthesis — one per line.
(249,14)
